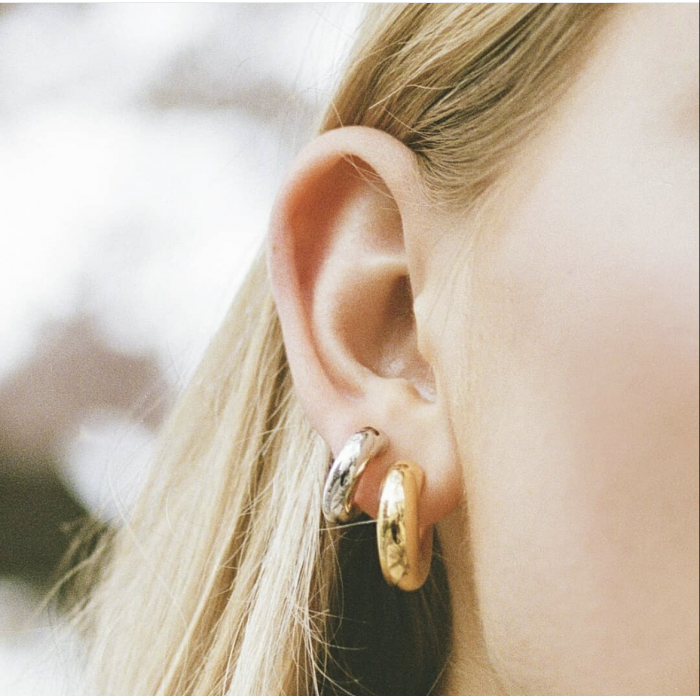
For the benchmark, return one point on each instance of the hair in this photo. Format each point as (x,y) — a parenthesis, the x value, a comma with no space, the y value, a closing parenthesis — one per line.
(226,580)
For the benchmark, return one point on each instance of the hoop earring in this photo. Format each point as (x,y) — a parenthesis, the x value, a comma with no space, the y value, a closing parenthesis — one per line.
(405,554)
(345,473)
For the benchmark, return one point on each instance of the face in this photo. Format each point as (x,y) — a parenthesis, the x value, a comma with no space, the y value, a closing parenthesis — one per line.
(577,417)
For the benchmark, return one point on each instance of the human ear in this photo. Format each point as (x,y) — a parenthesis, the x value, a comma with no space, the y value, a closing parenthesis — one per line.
(345,260)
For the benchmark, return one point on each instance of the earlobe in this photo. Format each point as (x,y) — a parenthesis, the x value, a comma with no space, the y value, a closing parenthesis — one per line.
(343,278)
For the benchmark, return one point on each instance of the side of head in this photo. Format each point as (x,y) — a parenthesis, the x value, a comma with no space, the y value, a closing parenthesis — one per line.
(461,259)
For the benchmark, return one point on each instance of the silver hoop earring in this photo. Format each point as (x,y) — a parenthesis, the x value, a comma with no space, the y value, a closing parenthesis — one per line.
(345,473)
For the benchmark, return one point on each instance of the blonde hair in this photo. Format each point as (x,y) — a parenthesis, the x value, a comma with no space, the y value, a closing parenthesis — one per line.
(226,579)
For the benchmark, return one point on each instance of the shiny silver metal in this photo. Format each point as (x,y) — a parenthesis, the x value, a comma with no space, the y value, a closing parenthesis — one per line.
(345,473)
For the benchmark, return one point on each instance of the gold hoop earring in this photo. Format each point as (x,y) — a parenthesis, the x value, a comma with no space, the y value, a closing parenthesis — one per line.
(345,473)
(404,553)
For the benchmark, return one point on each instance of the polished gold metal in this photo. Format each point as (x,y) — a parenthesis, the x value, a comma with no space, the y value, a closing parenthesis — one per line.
(345,473)
(405,553)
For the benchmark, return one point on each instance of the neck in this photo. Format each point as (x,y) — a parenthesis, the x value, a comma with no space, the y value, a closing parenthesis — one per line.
(469,671)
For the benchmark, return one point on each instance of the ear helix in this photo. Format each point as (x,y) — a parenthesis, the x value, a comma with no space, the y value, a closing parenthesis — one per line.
(405,553)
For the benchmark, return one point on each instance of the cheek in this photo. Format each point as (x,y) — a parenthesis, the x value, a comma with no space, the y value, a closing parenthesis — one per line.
(581,440)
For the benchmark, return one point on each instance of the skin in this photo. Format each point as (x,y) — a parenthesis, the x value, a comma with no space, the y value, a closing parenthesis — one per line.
(548,382)
(579,410)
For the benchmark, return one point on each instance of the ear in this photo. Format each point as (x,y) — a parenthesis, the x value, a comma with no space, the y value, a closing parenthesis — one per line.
(346,256)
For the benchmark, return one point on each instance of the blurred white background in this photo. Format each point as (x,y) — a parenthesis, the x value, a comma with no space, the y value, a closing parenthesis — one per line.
(140,150)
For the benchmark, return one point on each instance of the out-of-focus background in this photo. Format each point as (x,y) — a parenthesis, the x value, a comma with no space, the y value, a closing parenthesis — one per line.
(141,146)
